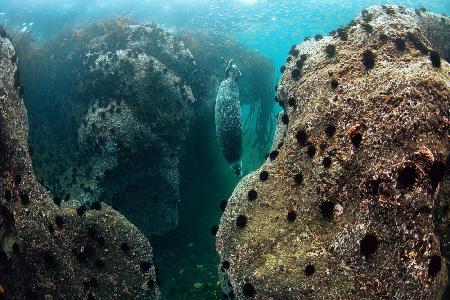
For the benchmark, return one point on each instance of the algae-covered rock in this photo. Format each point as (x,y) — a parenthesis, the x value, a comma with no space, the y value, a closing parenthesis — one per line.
(354,203)
(51,250)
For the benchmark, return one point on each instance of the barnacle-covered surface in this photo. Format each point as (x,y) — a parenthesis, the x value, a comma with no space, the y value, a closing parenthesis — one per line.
(60,251)
(354,204)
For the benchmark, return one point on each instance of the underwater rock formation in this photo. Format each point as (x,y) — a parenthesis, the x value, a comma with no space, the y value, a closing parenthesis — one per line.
(111,105)
(54,250)
(279,135)
(228,118)
(354,204)
(110,110)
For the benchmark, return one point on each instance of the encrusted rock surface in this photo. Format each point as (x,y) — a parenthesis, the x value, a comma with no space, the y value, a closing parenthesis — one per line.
(110,109)
(56,251)
(354,204)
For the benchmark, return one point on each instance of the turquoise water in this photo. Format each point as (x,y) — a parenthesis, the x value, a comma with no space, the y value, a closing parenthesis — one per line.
(269,26)
(186,255)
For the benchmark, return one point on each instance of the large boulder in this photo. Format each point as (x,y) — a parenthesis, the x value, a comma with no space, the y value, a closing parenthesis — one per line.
(55,250)
(353,204)
(110,110)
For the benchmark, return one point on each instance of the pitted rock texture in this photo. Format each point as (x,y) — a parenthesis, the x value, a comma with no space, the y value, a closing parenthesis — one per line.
(355,204)
(55,250)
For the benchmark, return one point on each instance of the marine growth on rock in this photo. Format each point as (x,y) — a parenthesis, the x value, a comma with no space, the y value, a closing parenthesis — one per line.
(48,248)
(351,208)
